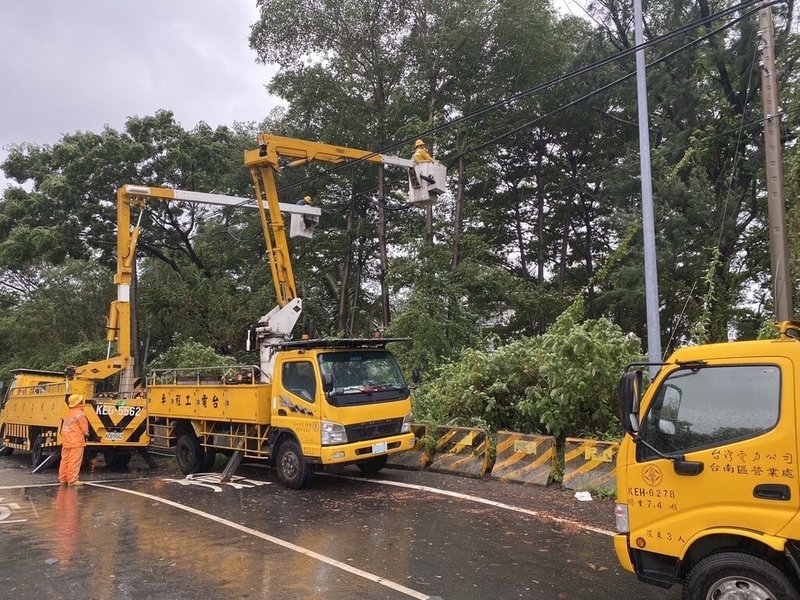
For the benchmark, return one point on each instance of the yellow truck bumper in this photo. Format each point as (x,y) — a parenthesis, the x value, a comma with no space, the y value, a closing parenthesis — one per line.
(623,553)
(330,455)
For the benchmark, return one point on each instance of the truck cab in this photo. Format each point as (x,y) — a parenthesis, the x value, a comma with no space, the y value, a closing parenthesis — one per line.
(707,473)
(352,395)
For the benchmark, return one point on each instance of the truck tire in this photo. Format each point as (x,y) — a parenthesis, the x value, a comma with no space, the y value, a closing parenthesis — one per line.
(293,470)
(116,458)
(209,458)
(4,450)
(38,452)
(372,465)
(733,574)
(189,454)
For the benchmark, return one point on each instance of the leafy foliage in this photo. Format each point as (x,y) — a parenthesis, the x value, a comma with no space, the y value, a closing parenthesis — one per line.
(561,383)
(541,198)
(189,353)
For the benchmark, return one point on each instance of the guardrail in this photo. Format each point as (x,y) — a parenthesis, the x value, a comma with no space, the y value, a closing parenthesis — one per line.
(512,457)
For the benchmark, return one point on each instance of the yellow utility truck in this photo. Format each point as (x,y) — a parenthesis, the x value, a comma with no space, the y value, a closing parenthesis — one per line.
(708,485)
(35,401)
(309,402)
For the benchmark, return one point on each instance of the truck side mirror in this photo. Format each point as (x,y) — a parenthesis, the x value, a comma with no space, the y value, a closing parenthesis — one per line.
(630,386)
(415,376)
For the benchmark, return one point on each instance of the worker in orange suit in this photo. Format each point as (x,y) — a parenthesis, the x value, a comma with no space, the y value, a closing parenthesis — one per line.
(74,431)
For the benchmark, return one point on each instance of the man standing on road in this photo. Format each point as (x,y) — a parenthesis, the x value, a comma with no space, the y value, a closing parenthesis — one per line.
(74,431)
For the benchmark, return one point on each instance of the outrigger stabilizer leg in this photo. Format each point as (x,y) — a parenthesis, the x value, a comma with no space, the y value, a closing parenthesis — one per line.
(48,461)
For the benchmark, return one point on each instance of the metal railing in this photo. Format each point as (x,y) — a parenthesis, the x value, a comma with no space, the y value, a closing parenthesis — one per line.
(225,375)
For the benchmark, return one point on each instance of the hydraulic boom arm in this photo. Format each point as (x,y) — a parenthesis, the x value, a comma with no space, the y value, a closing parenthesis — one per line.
(275,153)
(118,328)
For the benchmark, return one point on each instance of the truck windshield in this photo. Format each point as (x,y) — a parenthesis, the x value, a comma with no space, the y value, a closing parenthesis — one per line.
(362,377)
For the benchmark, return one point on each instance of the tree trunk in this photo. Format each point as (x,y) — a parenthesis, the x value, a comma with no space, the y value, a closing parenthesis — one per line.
(587,254)
(458,217)
(562,268)
(523,262)
(347,260)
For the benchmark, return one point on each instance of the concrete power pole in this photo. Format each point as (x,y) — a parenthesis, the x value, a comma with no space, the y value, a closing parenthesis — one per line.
(648,220)
(778,242)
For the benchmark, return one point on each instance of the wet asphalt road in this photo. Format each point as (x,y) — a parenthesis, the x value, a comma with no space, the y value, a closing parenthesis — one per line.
(152,534)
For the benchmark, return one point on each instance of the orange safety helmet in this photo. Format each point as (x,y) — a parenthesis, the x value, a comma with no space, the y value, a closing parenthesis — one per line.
(419,143)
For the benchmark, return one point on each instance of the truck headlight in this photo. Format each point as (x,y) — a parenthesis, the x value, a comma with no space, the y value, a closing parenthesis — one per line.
(621,514)
(333,433)
(407,421)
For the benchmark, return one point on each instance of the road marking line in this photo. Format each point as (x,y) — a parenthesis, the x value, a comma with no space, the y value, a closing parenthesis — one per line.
(56,484)
(422,488)
(283,543)
(478,499)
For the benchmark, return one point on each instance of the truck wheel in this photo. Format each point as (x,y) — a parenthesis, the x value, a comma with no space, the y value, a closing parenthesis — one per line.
(4,450)
(372,465)
(115,458)
(209,458)
(38,452)
(736,575)
(293,470)
(189,454)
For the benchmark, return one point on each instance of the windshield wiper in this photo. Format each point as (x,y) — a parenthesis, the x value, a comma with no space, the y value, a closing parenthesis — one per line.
(367,389)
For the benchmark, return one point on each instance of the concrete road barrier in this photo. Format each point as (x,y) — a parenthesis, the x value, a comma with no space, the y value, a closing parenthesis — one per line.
(461,450)
(417,458)
(589,464)
(524,458)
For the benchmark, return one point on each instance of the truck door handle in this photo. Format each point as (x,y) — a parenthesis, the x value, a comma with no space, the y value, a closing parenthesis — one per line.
(772,491)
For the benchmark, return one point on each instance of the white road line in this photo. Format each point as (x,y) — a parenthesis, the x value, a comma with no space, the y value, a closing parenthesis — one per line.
(283,543)
(25,486)
(478,499)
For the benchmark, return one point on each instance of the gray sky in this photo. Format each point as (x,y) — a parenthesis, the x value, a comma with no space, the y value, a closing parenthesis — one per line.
(83,64)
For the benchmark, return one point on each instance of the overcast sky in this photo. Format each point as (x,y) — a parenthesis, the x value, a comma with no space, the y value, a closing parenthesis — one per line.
(83,64)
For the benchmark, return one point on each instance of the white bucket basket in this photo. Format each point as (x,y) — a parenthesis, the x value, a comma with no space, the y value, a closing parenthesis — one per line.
(425,182)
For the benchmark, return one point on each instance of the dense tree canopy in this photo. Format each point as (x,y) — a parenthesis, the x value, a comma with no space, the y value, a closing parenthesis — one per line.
(543,205)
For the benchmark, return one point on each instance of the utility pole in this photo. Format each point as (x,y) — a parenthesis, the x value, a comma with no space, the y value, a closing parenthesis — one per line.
(776,206)
(385,314)
(648,221)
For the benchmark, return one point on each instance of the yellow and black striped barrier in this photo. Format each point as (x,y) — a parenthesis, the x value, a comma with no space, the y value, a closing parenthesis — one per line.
(589,464)
(461,450)
(416,458)
(524,458)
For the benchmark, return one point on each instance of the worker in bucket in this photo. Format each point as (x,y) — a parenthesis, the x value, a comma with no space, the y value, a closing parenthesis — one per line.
(74,431)
(306,201)
(421,153)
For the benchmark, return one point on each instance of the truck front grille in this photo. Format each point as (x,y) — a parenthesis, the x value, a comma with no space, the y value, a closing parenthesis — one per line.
(375,429)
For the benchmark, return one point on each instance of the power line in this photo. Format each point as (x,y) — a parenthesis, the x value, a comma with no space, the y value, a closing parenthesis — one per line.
(610,85)
(558,80)
(542,87)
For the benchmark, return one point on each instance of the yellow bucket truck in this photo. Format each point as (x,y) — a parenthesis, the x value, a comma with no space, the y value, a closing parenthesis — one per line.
(308,403)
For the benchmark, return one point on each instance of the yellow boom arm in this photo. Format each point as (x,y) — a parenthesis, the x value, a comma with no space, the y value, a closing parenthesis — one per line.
(263,164)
